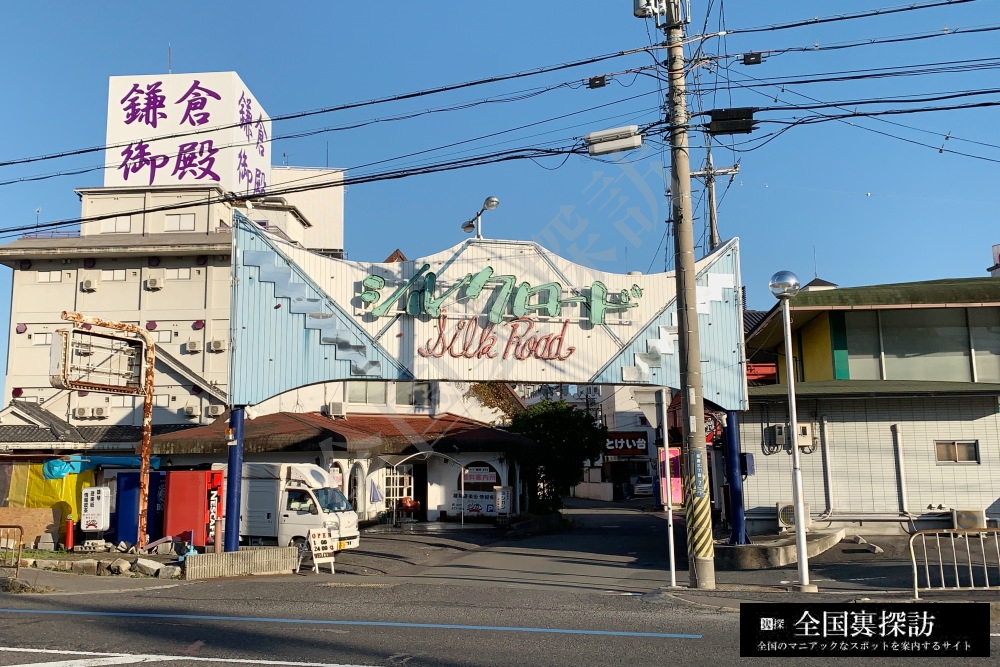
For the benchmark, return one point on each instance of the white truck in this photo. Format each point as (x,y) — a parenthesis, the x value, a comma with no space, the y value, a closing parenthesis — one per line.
(282,501)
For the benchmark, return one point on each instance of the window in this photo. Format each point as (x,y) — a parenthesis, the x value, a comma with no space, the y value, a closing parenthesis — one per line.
(926,344)
(120,401)
(161,401)
(300,501)
(118,225)
(863,357)
(163,336)
(179,222)
(413,393)
(399,484)
(112,274)
(957,451)
(366,392)
(50,276)
(984,325)
(41,338)
(177,274)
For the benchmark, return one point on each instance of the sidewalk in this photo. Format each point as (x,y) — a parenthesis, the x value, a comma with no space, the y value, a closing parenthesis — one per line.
(48,582)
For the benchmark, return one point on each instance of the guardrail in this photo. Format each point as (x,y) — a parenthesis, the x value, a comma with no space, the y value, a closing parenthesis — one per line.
(11,542)
(951,575)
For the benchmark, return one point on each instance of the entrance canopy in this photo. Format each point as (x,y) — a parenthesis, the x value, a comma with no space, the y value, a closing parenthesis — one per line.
(483,310)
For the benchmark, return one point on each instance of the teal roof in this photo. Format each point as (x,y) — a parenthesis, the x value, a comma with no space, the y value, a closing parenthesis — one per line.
(874,388)
(928,292)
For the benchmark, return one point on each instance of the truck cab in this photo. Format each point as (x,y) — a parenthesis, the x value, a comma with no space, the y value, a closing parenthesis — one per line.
(281,502)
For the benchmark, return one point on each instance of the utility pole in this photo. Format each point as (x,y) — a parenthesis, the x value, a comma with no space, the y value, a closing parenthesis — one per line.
(708,175)
(701,552)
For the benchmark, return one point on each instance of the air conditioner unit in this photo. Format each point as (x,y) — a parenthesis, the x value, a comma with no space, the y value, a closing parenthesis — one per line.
(154,283)
(217,345)
(786,515)
(82,413)
(89,285)
(102,412)
(968,519)
(215,410)
(193,346)
(190,411)
(780,434)
(335,409)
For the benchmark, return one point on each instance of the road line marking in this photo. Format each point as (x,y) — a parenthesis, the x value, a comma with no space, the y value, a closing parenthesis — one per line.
(377,624)
(124,658)
(97,662)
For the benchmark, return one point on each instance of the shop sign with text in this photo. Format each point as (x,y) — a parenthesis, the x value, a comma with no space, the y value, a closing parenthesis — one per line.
(626,443)
(482,310)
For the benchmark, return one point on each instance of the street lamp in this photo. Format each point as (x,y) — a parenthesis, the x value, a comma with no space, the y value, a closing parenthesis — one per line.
(476,224)
(785,285)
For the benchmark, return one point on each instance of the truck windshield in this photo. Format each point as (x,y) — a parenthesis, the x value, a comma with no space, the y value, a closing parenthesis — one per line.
(332,500)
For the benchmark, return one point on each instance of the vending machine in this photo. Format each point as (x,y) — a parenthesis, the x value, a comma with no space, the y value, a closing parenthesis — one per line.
(127,506)
(193,502)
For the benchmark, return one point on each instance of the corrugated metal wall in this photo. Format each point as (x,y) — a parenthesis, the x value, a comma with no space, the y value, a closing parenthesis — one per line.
(278,286)
(864,473)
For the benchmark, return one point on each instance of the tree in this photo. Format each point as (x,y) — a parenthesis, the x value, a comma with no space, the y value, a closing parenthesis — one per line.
(565,437)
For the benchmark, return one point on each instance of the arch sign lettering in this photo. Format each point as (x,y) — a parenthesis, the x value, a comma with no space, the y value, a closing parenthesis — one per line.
(482,310)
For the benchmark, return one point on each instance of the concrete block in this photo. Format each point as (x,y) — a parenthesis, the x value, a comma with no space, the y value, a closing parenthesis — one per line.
(46,542)
(875,549)
(168,549)
(146,566)
(45,564)
(857,539)
(122,547)
(120,566)
(64,565)
(27,562)
(773,553)
(104,567)
(271,560)
(169,572)
(85,566)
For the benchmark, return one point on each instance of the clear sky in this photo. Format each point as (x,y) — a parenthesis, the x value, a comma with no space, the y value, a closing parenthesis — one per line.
(872,199)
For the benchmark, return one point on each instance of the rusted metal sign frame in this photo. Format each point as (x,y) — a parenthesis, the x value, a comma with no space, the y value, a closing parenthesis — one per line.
(5,547)
(145,444)
(64,366)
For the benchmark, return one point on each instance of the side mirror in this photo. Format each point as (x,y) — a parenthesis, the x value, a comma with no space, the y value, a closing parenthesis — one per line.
(313,509)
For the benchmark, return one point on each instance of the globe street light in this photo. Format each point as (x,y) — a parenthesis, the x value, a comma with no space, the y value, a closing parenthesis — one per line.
(475,224)
(785,285)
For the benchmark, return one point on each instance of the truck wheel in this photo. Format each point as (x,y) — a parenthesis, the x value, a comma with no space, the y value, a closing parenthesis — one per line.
(302,545)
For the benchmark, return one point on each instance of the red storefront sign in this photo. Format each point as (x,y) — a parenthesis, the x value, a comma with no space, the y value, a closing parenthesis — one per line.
(627,443)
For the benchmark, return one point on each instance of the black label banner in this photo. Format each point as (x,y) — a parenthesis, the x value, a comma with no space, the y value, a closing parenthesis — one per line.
(863,629)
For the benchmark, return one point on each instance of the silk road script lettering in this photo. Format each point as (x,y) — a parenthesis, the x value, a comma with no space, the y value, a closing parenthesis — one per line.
(423,298)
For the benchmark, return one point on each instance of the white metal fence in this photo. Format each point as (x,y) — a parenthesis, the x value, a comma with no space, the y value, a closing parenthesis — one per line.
(955,559)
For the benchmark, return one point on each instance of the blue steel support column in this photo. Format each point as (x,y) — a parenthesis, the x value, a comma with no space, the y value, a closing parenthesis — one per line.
(732,446)
(234,480)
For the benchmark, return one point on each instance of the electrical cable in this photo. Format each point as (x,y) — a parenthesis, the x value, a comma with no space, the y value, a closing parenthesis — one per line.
(848,17)
(351,105)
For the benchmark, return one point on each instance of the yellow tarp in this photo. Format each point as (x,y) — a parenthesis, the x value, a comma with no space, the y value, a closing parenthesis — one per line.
(29,488)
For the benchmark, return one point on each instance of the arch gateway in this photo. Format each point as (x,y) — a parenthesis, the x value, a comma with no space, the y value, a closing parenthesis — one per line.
(483,310)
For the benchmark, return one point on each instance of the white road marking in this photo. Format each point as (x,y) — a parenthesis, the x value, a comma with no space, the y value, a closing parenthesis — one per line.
(96,662)
(97,658)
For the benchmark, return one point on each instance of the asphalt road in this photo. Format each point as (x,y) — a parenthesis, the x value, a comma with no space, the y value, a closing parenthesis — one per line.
(587,596)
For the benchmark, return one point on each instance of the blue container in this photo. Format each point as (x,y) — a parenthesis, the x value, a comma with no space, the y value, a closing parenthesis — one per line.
(127,506)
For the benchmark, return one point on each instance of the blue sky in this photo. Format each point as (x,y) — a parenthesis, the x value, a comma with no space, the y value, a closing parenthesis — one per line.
(862,195)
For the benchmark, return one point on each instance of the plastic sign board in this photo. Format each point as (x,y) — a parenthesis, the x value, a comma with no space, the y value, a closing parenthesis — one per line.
(95,509)
(480,475)
(187,129)
(323,545)
(626,443)
(501,499)
(483,310)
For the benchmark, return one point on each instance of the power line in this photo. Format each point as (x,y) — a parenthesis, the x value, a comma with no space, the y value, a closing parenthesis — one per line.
(479,160)
(847,17)
(351,105)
